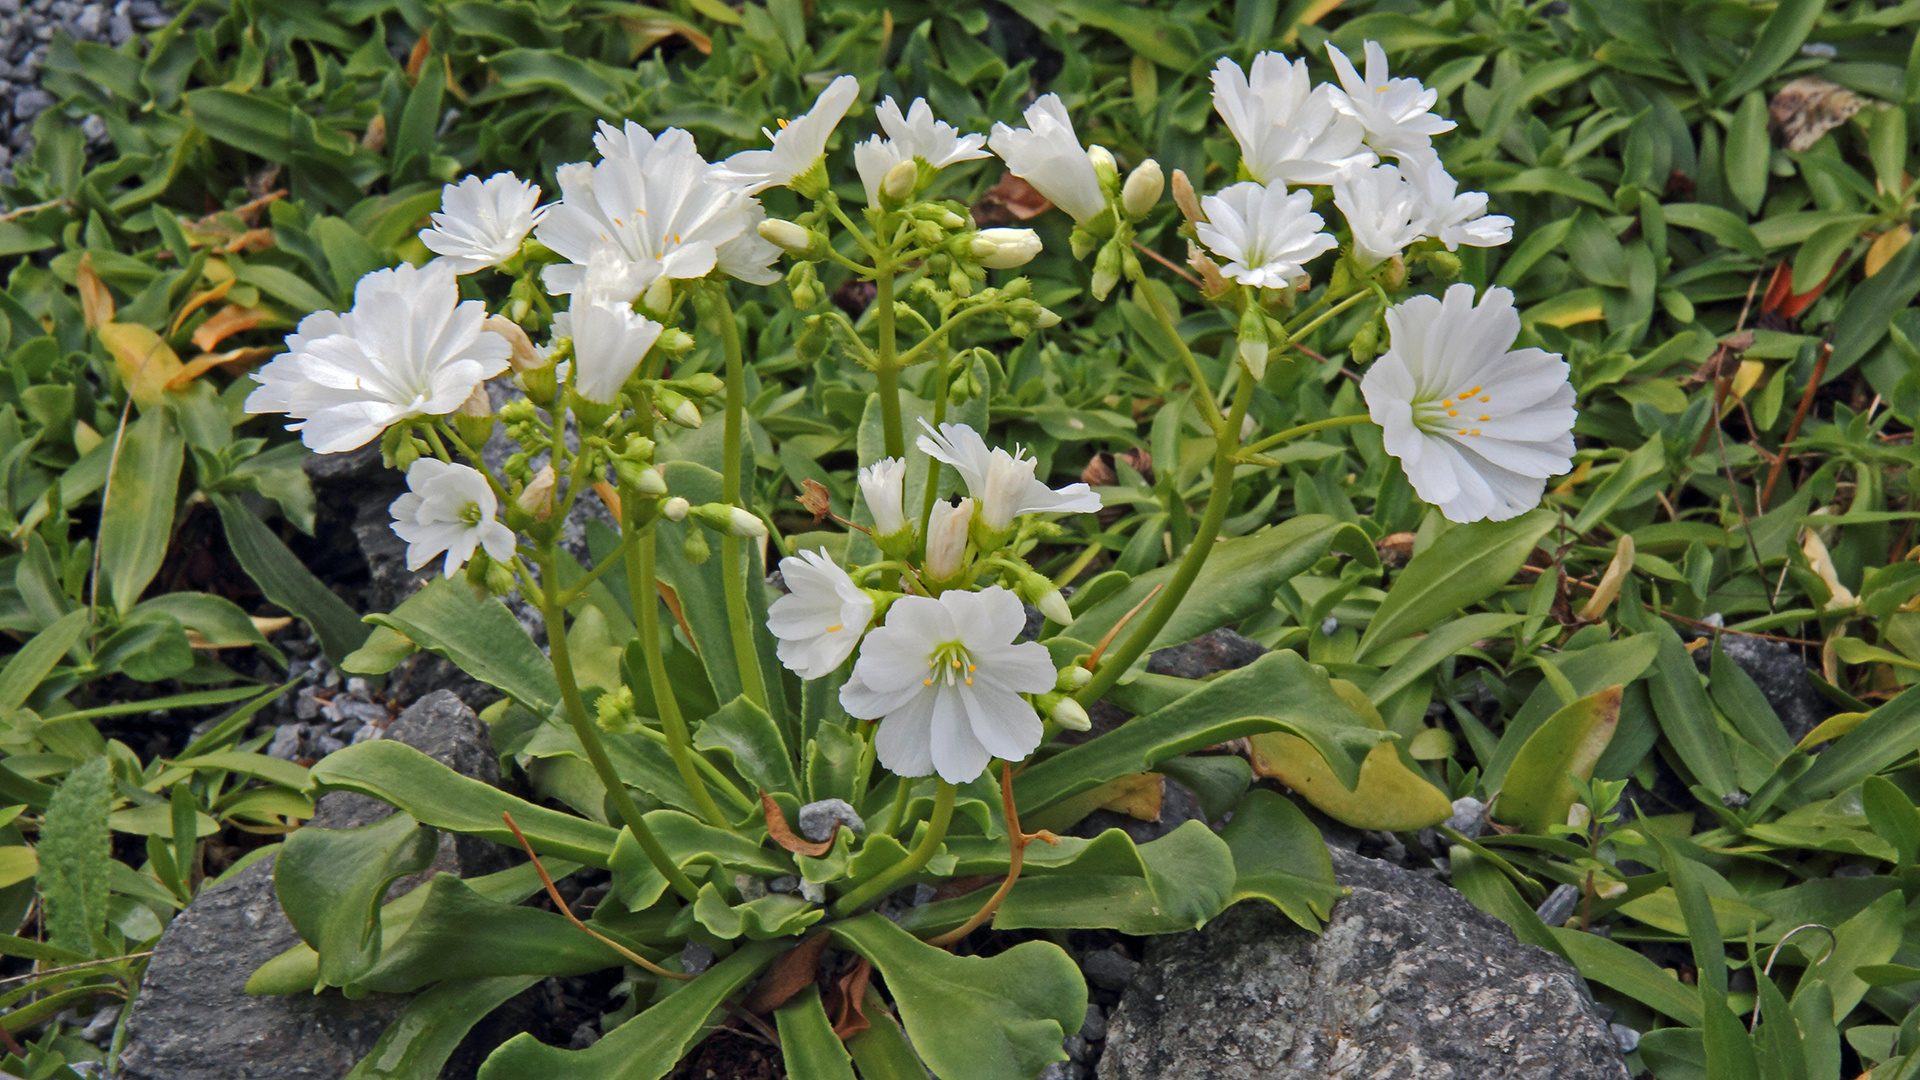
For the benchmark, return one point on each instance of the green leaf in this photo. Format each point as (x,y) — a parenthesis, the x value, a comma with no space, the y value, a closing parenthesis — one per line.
(1869,309)
(1537,792)
(1467,564)
(881,1051)
(285,581)
(1817,256)
(808,1046)
(1278,692)
(330,882)
(479,635)
(1748,148)
(1742,702)
(1888,734)
(1892,816)
(1869,938)
(418,1043)
(219,620)
(1614,965)
(1686,715)
(745,733)
(775,915)
(1483,883)
(460,934)
(644,1048)
(1721,224)
(435,795)
(27,667)
(1237,580)
(247,122)
(1279,856)
(137,521)
(283,285)
(74,857)
(1780,39)
(1029,997)
(1444,641)
(1177,882)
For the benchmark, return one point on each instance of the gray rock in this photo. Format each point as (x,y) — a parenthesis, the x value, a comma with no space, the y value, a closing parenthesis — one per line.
(194,1020)
(1095,1029)
(1469,817)
(1108,969)
(817,819)
(1557,908)
(1409,980)
(1063,1070)
(1221,650)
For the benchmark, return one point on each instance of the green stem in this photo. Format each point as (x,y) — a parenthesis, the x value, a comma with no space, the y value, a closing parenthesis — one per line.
(589,737)
(733,562)
(1226,446)
(1202,392)
(898,815)
(893,875)
(646,613)
(1305,429)
(1301,334)
(936,333)
(941,378)
(884,361)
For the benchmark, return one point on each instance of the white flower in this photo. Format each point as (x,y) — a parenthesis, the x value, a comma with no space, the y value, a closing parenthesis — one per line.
(882,486)
(1289,131)
(1478,428)
(1454,219)
(1004,249)
(1382,210)
(796,146)
(448,508)
(947,538)
(1002,483)
(609,341)
(821,618)
(913,135)
(1394,111)
(1267,234)
(944,678)
(637,143)
(658,210)
(749,256)
(482,222)
(410,347)
(1047,154)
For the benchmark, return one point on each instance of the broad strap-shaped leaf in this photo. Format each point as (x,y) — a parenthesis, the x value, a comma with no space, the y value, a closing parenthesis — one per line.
(34,660)
(1888,734)
(1279,856)
(75,857)
(418,1043)
(973,1017)
(1391,793)
(1238,579)
(330,883)
(137,520)
(1538,791)
(1686,715)
(646,1047)
(775,915)
(481,636)
(286,581)
(694,846)
(460,934)
(1278,692)
(745,733)
(1628,971)
(1463,567)
(435,795)
(808,1045)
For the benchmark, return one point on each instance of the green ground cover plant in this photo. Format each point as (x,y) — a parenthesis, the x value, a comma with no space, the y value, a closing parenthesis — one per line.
(1711,211)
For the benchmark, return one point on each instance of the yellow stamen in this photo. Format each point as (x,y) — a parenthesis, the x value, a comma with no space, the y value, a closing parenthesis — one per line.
(955,662)
(837,627)
(1483,420)
(1476,431)
(1486,399)
(782,123)
(926,682)
(1446,403)
(1453,412)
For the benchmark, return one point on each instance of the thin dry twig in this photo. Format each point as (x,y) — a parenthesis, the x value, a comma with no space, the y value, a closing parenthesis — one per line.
(73,967)
(1017,841)
(1169,264)
(1799,417)
(1682,619)
(561,903)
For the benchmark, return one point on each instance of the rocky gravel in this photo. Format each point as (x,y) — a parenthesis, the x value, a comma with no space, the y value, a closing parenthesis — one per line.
(27,30)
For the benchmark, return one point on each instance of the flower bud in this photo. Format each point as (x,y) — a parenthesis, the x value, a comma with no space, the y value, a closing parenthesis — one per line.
(791,238)
(676,408)
(537,497)
(1253,341)
(1054,607)
(1143,189)
(1072,677)
(1045,318)
(639,448)
(650,482)
(474,418)
(675,341)
(499,578)
(900,180)
(731,520)
(659,295)
(523,358)
(1185,198)
(1212,282)
(695,550)
(675,509)
(1068,714)
(1004,249)
(700,384)
(1104,166)
(882,488)
(1106,271)
(947,539)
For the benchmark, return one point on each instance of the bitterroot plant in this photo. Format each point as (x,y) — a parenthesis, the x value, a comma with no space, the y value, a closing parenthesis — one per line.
(754,768)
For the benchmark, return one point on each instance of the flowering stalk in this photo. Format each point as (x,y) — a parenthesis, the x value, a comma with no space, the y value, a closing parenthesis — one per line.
(555,618)
(733,565)
(912,864)
(644,591)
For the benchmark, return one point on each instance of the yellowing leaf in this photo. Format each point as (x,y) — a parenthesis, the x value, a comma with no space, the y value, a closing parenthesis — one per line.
(145,362)
(199,300)
(96,303)
(1538,789)
(1569,309)
(226,322)
(1390,794)
(1886,247)
(1748,377)
(1136,796)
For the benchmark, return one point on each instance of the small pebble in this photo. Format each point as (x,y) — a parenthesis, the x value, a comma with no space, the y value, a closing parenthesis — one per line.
(695,958)
(1095,1029)
(749,886)
(1075,1046)
(1559,905)
(1108,969)
(1064,1070)
(1627,1039)
(813,892)
(785,883)
(1469,817)
(817,819)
